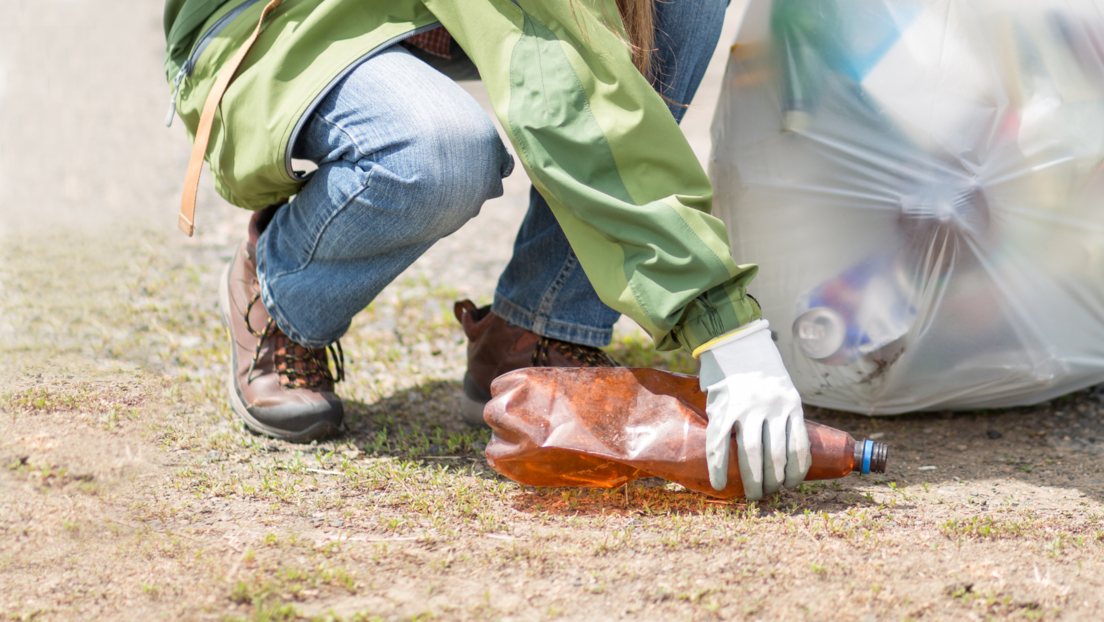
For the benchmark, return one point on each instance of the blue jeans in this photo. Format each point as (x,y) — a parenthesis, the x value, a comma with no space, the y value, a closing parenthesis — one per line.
(406,157)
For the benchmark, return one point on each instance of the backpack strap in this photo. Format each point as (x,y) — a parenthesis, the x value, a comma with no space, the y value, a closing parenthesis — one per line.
(206,120)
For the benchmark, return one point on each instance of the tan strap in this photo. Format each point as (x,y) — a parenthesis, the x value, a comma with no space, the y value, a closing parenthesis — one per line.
(206,120)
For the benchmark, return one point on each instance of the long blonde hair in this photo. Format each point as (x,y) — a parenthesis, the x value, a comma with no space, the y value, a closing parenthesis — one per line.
(638,16)
(639,19)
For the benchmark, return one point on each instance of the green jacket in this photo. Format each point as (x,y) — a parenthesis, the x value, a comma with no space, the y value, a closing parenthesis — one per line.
(594,137)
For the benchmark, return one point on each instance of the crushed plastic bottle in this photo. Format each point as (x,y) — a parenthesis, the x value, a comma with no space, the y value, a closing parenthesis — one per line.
(605,427)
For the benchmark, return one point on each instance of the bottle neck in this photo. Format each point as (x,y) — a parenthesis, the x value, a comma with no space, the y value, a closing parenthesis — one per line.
(870,457)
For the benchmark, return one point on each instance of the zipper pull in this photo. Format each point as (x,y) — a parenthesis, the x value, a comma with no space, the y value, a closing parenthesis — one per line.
(172,113)
(176,91)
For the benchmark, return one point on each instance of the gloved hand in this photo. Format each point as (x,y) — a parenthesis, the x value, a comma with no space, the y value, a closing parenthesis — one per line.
(749,393)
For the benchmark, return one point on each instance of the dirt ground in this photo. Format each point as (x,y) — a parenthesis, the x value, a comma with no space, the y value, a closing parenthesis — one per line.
(128,491)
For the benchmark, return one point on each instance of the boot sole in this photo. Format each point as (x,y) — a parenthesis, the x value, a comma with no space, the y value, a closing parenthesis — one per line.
(318,431)
(471,408)
(471,411)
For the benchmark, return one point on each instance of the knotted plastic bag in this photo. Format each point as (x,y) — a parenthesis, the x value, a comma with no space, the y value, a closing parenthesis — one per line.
(922,184)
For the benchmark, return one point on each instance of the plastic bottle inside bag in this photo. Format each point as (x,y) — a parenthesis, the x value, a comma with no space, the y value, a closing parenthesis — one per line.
(863,310)
(870,308)
(804,32)
(605,427)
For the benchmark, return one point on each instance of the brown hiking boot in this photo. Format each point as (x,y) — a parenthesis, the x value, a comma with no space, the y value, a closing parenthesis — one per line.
(496,347)
(278,387)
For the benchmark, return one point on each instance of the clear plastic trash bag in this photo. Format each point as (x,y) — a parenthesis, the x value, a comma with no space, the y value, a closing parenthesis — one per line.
(922,184)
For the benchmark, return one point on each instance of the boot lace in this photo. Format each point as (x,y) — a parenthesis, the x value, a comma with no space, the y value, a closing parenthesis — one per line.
(299,367)
(586,356)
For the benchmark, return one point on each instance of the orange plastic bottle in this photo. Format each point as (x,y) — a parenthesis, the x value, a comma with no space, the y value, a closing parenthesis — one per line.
(605,427)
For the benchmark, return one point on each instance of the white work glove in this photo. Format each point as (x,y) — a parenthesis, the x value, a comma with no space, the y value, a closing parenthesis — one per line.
(750,394)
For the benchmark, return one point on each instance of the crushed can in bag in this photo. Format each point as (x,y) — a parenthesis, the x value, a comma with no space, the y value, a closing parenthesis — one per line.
(605,427)
(863,310)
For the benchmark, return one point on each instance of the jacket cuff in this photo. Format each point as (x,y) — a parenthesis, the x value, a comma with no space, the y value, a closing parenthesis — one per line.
(713,314)
(736,335)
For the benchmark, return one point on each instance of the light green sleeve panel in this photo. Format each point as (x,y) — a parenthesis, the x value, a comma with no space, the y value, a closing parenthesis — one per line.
(603,149)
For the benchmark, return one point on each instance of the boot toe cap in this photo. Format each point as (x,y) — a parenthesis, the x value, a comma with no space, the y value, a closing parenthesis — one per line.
(299,421)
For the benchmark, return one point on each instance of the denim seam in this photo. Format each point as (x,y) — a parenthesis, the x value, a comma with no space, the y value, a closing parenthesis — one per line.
(281,322)
(270,303)
(326,225)
(360,155)
(583,335)
(337,212)
(548,301)
(274,310)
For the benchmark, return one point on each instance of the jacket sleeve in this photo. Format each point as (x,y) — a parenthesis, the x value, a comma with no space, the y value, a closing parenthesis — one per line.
(603,149)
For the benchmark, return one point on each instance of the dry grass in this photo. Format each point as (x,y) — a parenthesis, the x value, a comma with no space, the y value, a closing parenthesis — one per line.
(130,492)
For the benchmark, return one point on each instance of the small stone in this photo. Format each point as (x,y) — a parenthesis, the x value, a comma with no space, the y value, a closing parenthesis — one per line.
(993,434)
(337,523)
(214,455)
